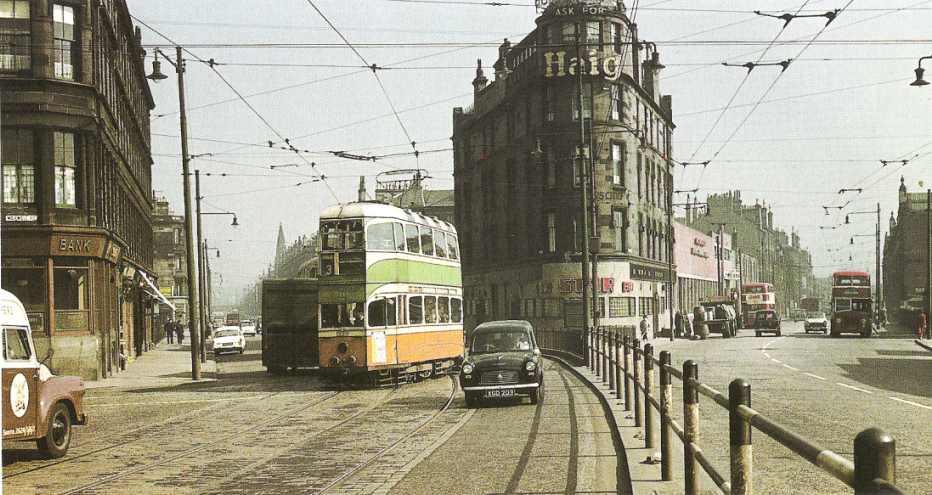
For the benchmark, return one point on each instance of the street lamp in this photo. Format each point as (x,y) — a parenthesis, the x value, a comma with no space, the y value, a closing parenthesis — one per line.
(920,72)
(193,300)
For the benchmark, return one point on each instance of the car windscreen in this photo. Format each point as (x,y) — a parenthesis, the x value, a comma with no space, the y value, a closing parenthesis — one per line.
(501,340)
(226,333)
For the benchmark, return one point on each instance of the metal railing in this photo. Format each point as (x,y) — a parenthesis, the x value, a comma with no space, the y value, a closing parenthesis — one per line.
(628,370)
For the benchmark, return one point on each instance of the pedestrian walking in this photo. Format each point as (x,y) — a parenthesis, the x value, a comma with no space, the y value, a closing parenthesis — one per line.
(679,324)
(921,323)
(645,328)
(180,329)
(170,330)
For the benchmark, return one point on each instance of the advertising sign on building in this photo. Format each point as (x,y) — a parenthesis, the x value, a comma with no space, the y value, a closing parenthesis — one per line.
(648,273)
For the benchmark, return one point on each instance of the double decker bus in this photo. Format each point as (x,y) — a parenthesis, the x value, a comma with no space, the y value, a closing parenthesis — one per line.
(756,296)
(390,292)
(852,310)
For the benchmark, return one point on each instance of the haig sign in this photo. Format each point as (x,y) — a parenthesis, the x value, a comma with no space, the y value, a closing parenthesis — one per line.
(561,63)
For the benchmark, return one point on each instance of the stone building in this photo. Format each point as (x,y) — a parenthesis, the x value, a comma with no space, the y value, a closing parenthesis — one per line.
(76,179)
(767,253)
(705,267)
(171,266)
(518,172)
(906,257)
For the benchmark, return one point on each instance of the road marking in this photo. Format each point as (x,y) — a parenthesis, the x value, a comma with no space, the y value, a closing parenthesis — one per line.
(911,403)
(790,367)
(814,376)
(852,387)
(776,361)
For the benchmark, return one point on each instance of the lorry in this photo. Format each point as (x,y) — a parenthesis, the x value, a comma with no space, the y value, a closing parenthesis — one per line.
(721,316)
(290,325)
(37,405)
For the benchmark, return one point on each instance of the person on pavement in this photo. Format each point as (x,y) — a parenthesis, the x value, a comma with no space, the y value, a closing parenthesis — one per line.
(921,324)
(645,328)
(169,330)
(180,329)
(679,324)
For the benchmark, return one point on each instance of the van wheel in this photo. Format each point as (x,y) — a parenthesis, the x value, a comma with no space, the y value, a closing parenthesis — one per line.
(57,438)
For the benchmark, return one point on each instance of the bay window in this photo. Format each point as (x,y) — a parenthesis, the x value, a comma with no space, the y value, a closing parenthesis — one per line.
(18,179)
(64,46)
(64,170)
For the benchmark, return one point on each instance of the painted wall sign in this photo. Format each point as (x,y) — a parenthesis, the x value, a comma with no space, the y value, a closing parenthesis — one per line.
(578,7)
(575,285)
(648,273)
(75,245)
(562,63)
(21,218)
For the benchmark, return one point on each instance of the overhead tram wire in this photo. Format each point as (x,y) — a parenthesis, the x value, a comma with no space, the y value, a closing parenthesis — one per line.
(375,74)
(769,89)
(241,98)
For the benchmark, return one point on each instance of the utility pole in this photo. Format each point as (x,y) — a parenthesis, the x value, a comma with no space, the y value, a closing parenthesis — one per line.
(877,298)
(670,238)
(193,313)
(720,245)
(594,241)
(929,251)
(583,193)
(200,264)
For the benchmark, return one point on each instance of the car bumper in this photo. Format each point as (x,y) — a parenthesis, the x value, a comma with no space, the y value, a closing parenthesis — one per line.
(474,388)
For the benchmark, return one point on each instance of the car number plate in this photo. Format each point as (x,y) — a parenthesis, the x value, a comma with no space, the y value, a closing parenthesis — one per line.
(499,394)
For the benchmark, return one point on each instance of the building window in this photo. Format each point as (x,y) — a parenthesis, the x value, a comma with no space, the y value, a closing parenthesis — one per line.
(615,94)
(549,111)
(620,307)
(15,49)
(639,166)
(586,102)
(64,170)
(551,232)
(19,182)
(620,226)
(592,32)
(71,289)
(14,9)
(618,164)
(569,32)
(551,170)
(579,159)
(64,45)
(615,35)
(647,306)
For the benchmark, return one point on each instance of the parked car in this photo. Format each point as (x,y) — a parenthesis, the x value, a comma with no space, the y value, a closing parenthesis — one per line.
(816,322)
(228,339)
(248,328)
(502,361)
(767,321)
(41,406)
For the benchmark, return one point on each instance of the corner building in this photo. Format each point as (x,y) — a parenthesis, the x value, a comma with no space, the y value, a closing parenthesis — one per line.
(517,176)
(76,180)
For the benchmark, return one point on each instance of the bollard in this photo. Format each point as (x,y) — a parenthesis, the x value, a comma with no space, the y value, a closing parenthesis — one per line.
(666,432)
(598,356)
(650,433)
(635,348)
(617,352)
(874,458)
(739,433)
(605,335)
(690,427)
(627,350)
(612,363)
(591,339)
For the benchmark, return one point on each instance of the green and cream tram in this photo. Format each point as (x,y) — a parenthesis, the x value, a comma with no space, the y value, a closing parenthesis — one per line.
(390,290)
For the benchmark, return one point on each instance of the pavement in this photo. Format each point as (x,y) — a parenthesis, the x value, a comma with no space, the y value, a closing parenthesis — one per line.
(165,365)
(825,389)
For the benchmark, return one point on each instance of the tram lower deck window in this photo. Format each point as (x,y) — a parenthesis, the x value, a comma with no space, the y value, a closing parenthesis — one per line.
(383,312)
(342,315)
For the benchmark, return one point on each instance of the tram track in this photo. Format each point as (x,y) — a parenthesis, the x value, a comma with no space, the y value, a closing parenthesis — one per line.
(385,450)
(186,453)
(132,434)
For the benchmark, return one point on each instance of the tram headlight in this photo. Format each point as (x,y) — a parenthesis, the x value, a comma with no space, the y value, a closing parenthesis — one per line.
(468,369)
(530,366)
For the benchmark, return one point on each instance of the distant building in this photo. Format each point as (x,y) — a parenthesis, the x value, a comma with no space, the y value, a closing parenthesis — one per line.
(76,180)
(699,268)
(906,257)
(412,195)
(518,158)
(171,268)
(767,253)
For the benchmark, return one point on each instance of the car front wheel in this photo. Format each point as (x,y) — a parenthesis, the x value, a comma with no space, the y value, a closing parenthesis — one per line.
(57,438)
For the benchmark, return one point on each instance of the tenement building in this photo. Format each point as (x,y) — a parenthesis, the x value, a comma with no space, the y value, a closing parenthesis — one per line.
(906,257)
(76,176)
(580,90)
(171,268)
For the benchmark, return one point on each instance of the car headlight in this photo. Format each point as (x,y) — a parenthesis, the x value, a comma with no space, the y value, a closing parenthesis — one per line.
(468,369)
(530,366)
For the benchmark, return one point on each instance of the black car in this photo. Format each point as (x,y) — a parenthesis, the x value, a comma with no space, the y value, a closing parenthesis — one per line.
(767,320)
(502,361)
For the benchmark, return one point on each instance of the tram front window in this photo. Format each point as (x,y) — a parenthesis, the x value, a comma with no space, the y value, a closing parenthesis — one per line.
(342,315)
(341,235)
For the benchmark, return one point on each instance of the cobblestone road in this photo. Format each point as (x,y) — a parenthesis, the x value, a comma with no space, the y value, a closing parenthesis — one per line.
(252,433)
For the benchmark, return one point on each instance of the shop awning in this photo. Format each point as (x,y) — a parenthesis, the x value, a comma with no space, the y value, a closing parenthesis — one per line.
(154,291)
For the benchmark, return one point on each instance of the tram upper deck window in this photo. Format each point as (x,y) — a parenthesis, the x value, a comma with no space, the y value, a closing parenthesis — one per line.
(414,239)
(440,244)
(452,247)
(341,235)
(381,237)
(427,241)
(399,236)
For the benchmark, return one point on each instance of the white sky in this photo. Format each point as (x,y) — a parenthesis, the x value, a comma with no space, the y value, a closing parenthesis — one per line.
(795,153)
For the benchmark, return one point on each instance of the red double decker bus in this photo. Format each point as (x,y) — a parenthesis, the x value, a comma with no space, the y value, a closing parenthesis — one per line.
(756,296)
(852,310)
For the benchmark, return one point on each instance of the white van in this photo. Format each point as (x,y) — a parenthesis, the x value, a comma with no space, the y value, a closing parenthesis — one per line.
(37,405)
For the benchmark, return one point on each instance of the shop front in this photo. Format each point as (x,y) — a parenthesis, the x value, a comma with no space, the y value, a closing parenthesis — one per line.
(86,314)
